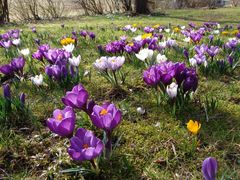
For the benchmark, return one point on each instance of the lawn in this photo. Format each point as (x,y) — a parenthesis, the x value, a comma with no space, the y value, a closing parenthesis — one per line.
(153,145)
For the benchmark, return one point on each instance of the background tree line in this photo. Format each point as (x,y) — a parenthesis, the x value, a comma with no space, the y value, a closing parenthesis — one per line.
(50,9)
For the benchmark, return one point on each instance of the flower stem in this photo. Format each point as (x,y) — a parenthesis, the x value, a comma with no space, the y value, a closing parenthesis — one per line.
(115,78)
(108,145)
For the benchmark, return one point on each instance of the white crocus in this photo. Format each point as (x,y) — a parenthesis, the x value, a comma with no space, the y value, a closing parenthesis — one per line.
(75,61)
(69,48)
(187,39)
(144,54)
(172,90)
(37,80)
(138,38)
(101,64)
(133,29)
(163,44)
(16,42)
(193,62)
(216,32)
(183,27)
(161,58)
(141,110)
(25,52)
(167,30)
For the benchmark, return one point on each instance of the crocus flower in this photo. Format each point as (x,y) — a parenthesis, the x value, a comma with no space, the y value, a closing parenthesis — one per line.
(18,64)
(141,110)
(115,63)
(101,64)
(37,80)
(161,58)
(196,37)
(69,48)
(190,82)
(75,61)
(63,122)
(172,90)
(85,146)
(92,35)
(209,168)
(151,76)
(16,42)
(6,91)
(83,33)
(6,44)
(6,69)
(77,98)
(213,51)
(167,72)
(106,117)
(193,126)
(144,54)
(25,52)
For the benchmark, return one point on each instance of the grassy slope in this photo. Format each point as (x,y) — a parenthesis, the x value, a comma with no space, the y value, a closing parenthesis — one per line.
(29,154)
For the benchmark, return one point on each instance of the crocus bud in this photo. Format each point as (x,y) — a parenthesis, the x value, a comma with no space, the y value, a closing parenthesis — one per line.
(209,168)
(172,90)
(6,91)
(22,98)
(141,110)
(186,54)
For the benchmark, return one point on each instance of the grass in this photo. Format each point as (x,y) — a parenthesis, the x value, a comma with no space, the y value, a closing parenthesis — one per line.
(155,145)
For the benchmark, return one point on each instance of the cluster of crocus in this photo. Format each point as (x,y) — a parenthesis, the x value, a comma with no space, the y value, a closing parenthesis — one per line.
(62,63)
(130,28)
(109,66)
(85,146)
(173,79)
(15,66)
(11,37)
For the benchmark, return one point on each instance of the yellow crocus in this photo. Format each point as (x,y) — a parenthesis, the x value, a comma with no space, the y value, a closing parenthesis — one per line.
(67,41)
(234,32)
(156,26)
(225,33)
(148,35)
(193,126)
(176,30)
(134,25)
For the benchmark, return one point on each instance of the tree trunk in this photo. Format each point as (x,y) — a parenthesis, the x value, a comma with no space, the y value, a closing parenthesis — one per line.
(141,7)
(4,14)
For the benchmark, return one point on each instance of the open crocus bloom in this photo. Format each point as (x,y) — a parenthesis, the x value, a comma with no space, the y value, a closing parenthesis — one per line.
(75,61)
(77,98)
(63,122)
(209,168)
(85,146)
(145,54)
(106,117)
(115,63)
(101,64)
(193,126)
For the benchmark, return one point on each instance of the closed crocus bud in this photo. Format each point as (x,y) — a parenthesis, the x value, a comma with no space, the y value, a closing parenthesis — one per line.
(62,122)
(22,98)
(172,90)
(92,35)
(6,91)
(185,53)
(209,168)
(37,41)
(141,110)
(77,98)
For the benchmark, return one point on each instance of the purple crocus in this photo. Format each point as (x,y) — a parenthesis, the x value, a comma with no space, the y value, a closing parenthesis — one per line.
(92,35)
(17,64)
(6,44)
(213,51)
(151,76)
(106,117)
(196,37)
(166,71)
(6,70)
(83,33)
(85,146)
(6,91)
(63,122)
(77,98)
(209,168)
(148,29)
(190,82)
